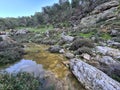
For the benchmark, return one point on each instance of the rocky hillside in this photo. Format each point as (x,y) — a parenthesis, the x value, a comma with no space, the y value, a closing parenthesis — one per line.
(92,47)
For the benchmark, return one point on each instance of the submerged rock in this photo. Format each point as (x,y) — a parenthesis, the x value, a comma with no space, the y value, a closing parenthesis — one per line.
(91,77)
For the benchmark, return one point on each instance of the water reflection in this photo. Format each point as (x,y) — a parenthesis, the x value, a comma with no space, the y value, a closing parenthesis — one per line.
(27,66)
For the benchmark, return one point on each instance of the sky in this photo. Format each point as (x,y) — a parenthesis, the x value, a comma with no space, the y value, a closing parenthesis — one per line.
(16,8)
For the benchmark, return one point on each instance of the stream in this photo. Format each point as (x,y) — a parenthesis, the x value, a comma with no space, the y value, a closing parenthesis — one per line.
(54,75)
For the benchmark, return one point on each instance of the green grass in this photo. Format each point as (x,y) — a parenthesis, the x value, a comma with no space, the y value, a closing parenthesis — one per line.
(88,35)
(40,29)
(106,36)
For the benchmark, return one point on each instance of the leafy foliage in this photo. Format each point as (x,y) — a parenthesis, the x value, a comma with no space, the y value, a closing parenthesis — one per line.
(21,81)
(80,43)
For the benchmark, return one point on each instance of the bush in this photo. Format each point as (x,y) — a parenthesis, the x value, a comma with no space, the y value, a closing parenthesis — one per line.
(10,53)
(21,81)
(80,43)
(83,50)
(9,56)
(116,77)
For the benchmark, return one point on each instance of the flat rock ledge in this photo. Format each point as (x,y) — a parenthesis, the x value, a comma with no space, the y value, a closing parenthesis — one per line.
(91,77)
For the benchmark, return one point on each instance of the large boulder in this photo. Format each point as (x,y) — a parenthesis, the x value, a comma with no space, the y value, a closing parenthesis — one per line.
(107,60)
(115,53)
(91,77)
(67,38)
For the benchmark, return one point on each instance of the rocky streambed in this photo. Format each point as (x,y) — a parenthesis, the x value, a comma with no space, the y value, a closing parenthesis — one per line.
(48,67)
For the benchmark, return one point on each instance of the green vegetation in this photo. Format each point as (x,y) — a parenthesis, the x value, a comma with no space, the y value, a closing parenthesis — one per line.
(40,29)
(80,43)
(87,35)
(21,81)
(116,77)
(9,53)
(106,36)
(9,56)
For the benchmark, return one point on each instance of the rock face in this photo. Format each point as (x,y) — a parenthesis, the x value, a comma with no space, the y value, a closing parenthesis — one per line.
(92,78)
(102,12)
(105,6)
(93,19)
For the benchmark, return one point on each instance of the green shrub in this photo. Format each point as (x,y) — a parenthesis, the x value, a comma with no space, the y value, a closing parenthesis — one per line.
(80,43)
(21,81)
(116,77)
(10,56)
(87,35)
(105,36)
(10,53)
